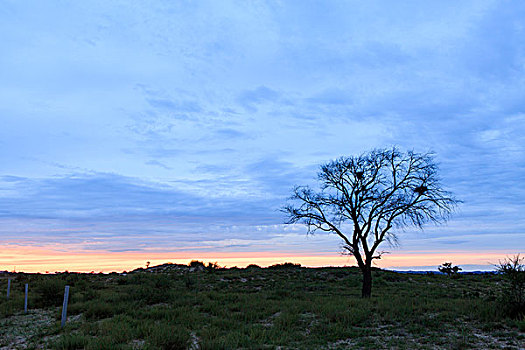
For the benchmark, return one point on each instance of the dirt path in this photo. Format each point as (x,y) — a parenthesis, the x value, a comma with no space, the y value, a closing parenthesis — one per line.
(16,331)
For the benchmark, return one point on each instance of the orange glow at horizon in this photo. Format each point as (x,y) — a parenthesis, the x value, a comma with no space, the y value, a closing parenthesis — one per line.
(39,259)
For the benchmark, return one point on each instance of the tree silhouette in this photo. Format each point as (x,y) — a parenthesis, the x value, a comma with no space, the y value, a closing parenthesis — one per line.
(449,269)
(362,198)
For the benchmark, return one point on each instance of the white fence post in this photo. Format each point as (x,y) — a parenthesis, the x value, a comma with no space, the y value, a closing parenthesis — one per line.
(25,300)
(64,307)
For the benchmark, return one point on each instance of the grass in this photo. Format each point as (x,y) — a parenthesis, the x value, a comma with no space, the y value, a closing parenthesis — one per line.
(286,307)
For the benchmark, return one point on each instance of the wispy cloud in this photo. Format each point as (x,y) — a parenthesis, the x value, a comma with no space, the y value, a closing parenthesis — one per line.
(159,164)
(249,99)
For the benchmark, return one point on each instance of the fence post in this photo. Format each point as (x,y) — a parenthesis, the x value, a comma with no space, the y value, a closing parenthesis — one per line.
(8,287)
(64,307)
(25,300)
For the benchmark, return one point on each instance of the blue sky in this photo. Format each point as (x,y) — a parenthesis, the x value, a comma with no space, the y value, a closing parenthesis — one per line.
(173,125)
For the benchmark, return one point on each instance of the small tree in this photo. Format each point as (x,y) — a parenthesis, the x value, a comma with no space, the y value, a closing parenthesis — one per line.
(513,269)
(449,269)
(362,198)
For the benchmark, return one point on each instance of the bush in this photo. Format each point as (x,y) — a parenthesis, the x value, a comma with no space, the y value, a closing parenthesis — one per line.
(50,292)
(99,310)
(169,337)
(189,281)
(162,281)
(197,264)
(286,265)
(212,267)
(253,266)
(521,324)
(513,298)
(71,342)
(449,269)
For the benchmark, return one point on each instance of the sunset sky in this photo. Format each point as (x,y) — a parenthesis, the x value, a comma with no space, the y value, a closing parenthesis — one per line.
(135,131)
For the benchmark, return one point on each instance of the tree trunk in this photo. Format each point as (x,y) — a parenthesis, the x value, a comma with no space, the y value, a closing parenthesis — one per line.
(367,282)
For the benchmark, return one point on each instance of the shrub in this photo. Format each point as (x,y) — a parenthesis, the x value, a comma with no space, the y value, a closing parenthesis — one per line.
(253,266)
(513,298)
(197,264)
(286,265)
(169,337)
(50,292)
(449,269)
(521,324)
(120,329)
(162,281)
(212,267)
(71,342)
(189,281)
(148,294)
(99,310)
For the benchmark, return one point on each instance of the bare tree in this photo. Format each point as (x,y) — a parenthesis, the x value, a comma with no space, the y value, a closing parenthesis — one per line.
(363,198)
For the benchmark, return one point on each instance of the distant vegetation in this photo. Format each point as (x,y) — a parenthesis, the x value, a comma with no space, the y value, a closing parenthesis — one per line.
(174,306)
(286,265)
(449,269)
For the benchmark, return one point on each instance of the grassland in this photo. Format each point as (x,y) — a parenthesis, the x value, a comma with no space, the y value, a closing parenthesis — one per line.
(254,308)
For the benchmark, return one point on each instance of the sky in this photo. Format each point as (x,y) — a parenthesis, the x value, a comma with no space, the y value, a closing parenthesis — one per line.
(164,131)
